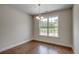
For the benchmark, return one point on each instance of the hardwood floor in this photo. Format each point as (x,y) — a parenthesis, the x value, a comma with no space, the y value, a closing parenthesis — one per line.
(36,47)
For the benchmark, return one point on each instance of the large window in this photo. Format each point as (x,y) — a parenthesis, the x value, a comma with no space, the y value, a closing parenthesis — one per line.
(49,26)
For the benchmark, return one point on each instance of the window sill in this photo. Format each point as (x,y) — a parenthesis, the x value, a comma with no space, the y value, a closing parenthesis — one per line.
(48,36)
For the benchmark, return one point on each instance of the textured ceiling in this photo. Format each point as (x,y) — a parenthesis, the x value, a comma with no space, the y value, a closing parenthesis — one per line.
(33,9)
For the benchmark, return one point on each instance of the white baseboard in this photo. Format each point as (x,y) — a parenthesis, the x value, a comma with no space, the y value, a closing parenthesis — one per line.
(52,43)
(14,45)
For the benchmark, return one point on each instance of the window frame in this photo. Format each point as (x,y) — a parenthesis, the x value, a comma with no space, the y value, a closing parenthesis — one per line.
(48,28)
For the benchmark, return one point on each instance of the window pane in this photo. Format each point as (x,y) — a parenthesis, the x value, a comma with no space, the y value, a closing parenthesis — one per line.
(43,31)
(53,26)
(43,27)
(51,32)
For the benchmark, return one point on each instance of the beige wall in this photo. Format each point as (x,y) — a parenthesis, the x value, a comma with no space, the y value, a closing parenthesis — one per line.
(15,27)
(76,28)
(65,29)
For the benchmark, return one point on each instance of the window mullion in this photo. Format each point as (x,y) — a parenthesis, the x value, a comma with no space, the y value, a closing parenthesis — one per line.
(47,26)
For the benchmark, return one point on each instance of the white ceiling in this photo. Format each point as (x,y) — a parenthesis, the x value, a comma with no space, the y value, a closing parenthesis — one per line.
(33,9)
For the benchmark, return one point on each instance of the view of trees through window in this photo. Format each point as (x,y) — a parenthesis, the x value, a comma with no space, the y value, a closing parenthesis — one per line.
(48,26)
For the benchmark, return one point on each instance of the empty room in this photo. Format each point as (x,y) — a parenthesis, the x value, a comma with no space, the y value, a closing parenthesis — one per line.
(39,29)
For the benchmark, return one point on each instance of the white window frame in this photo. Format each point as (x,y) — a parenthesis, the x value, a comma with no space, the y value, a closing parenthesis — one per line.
(48,28)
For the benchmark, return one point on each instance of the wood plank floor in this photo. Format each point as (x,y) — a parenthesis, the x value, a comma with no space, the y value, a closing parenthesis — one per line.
(36,47)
